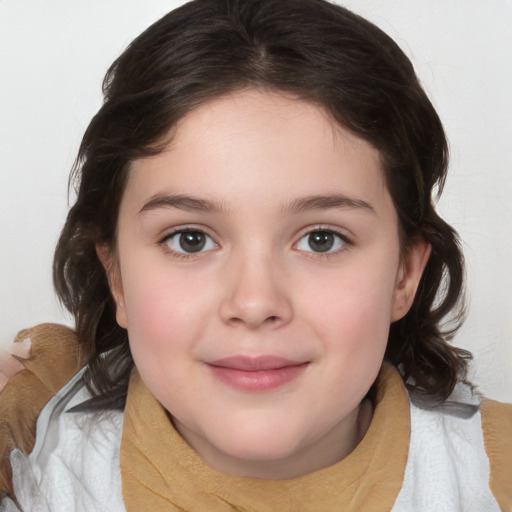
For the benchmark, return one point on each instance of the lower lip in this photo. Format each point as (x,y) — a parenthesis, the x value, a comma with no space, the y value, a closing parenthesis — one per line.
(261,380)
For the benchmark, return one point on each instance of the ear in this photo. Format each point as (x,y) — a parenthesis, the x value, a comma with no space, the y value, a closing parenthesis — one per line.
(408,278)
(111,266)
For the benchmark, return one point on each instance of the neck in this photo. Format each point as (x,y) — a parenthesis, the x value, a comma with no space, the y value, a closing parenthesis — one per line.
(325,451)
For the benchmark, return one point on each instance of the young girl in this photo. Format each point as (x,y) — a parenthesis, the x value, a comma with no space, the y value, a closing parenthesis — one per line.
(260,284)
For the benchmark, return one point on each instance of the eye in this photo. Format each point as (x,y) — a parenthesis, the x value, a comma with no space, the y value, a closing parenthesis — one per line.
(189,241)
(321,241)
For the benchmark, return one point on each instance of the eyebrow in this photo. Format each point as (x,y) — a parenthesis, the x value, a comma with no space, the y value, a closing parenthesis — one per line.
(298,205)
(182,202)
(326,202)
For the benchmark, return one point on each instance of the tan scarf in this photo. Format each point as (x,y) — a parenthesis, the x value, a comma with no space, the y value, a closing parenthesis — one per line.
(161,472)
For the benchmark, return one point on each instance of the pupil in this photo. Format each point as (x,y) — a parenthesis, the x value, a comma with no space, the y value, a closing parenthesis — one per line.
(192,241)
(321,241)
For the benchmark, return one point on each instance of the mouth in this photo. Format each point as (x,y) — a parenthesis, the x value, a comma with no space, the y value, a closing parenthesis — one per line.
(256,373)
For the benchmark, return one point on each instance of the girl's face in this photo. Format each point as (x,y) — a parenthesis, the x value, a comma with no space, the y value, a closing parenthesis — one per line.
(258,272)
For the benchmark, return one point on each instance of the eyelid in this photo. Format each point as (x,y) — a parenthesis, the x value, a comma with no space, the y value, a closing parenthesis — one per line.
(342,232)
(183,228)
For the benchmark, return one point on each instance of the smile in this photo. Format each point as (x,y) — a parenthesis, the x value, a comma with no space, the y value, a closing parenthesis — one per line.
(256,374)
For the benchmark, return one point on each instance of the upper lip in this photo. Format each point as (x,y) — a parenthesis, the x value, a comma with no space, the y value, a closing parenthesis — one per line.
(254,364)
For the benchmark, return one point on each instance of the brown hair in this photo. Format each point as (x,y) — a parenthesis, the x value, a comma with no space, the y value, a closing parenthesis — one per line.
(317,51)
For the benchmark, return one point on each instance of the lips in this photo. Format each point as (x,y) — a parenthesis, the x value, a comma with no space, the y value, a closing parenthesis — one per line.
(256,373)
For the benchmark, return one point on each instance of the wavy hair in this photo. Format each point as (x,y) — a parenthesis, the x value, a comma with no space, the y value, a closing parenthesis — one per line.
(319,52)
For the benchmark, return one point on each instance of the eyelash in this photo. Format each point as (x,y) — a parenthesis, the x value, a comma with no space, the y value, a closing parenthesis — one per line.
(345,241)
(180,231)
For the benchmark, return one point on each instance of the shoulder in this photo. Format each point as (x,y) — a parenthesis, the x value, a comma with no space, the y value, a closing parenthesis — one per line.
(53,361)
(448,465)
(497,429)
(75,461)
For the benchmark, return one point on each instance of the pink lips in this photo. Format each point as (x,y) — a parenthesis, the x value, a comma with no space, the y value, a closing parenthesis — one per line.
(256,373)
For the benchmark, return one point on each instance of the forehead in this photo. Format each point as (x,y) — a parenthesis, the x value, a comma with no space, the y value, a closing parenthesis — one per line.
(262,146)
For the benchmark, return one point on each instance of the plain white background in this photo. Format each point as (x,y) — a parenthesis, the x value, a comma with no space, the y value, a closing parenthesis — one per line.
(54,53)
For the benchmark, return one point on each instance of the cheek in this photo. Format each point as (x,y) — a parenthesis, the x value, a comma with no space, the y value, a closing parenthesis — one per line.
(353,309)
(355,334)
(164,312)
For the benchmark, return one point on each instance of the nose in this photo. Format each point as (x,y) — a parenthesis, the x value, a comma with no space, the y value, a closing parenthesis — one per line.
(255,294)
